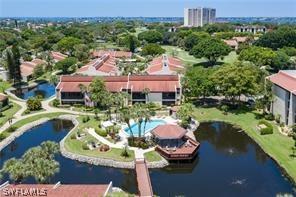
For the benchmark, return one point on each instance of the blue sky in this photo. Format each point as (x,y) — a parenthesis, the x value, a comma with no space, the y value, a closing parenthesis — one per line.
(78,8)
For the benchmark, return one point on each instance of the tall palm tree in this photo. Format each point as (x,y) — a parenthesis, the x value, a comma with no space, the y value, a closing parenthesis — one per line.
(126,115)
(139,111)
(147,116)
(16,170)
(146,91)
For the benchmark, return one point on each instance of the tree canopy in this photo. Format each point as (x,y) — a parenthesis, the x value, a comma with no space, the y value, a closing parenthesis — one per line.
(233,80)
(282,37)
(150,36)
(66,64)
(211,48)
(152,49)
(259,56)
(197,82)
(193,39)
(67,44)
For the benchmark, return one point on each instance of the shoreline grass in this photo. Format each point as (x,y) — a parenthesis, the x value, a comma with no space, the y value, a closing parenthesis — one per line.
(9,113)
(276,145)
(75,146)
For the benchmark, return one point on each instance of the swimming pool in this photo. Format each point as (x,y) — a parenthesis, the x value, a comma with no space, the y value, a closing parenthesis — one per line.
(149,126)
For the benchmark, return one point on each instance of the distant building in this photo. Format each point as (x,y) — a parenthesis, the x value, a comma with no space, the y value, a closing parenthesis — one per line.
(251,28)
(198,17)
(165,65)
(284,90)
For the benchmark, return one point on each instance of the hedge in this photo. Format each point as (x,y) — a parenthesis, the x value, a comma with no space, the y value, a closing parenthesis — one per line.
(268,129)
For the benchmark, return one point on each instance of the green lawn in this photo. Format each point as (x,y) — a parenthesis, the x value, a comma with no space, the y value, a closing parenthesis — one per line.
(152,156)
(190,60)
(276,145)
(4,85)
(7,114)
(75,146)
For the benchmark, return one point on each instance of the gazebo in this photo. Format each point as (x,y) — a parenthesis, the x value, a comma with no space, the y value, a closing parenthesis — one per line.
(173,143)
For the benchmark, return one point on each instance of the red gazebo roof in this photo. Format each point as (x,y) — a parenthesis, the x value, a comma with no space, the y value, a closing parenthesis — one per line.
(169,131)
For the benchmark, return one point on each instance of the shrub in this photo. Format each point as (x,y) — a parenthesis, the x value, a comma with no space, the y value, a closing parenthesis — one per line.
(269,117)
(225,109)
(85,119)
(55,102)
(2,136)
(268,127)
(11,129)
(85,146)
(34,104)
(124,152)
(278,118)
(104,148)
(73,137)
(27,111)
(101,132)
(138,142)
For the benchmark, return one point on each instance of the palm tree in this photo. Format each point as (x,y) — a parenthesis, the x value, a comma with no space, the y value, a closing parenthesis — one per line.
(147,116)
(139,116)
(126,114)
(16,170)
(146,91)
(43,169)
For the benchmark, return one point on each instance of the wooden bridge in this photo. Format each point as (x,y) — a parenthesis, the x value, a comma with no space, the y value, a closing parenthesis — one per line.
(143,178)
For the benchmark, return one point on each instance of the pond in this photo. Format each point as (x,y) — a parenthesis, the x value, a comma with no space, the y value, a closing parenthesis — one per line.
(45,90)
(70,171)
(229,163)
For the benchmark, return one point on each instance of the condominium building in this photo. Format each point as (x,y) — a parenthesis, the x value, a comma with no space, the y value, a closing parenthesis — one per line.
(198,17)
(284,100)
(165,65)
(162,89)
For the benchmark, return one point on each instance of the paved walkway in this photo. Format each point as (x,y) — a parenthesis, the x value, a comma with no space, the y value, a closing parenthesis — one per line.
(139,153)
(47,109)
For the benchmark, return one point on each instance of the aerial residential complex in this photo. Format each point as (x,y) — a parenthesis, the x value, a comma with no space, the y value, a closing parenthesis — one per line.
(198,17)
(135,106)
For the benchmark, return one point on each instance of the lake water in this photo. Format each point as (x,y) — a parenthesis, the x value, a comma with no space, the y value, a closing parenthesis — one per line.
(229,163)
(45,90)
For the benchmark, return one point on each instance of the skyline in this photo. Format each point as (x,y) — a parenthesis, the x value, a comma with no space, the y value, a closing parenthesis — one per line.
(144,8)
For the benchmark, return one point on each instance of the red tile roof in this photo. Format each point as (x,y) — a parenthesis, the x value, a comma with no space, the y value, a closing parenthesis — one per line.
(57,56)
(105,64)
(59,191)
(169,132)
(27,68)
(285,80)
(165,65)
(231,43)
(115,54)
(3,97)
(137,83)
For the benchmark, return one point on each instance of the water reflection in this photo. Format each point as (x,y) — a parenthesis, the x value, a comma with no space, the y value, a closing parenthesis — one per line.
(229,163)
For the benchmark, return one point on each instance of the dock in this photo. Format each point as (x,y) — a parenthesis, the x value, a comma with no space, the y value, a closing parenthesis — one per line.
(143,178)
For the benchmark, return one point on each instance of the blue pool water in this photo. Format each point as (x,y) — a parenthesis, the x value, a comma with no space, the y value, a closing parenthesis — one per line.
(45,90)
(149,126)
